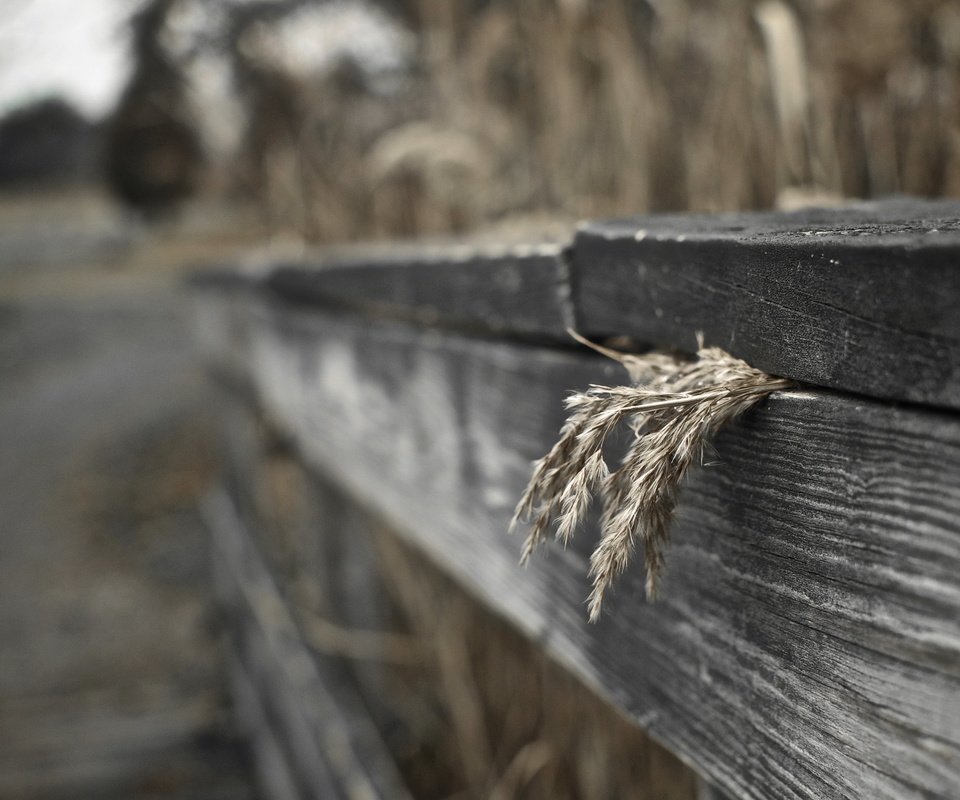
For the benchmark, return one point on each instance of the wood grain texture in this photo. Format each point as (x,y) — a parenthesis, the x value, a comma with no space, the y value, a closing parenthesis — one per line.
(808,641)
(330,746)
(522,290)
(864,299)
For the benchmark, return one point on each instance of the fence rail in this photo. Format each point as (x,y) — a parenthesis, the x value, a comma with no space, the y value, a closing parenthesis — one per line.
(807,640)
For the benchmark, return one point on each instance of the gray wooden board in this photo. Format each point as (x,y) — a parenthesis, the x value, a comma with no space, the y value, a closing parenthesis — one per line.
(520,290)
(329,741)
(864,299)
(808,641)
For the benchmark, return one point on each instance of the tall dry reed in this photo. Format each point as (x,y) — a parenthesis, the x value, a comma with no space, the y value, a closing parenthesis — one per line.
(672,409)
(605,107)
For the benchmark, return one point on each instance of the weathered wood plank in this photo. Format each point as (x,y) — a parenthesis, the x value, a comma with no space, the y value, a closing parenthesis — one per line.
(522,290)
(808,640)
(864,299)
(331,746)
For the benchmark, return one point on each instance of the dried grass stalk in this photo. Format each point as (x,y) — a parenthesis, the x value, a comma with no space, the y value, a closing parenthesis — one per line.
(673,408)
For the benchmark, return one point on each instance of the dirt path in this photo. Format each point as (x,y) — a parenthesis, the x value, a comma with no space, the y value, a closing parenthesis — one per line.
(109,682)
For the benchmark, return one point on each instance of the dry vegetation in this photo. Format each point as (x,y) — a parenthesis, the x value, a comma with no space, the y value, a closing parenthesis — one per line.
(578,108)
(672,410)
(557,108)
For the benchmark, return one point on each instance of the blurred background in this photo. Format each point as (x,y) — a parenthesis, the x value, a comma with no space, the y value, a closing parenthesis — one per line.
(140,140)
(343,120)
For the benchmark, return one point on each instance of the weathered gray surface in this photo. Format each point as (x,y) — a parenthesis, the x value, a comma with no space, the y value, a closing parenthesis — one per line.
(808,639)
(520,290)
(865,299)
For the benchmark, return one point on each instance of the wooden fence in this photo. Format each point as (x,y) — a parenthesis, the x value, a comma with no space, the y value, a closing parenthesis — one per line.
(806,642)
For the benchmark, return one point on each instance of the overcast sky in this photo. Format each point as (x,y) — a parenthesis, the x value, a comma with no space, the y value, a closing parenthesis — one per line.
(75,48)
(78,48)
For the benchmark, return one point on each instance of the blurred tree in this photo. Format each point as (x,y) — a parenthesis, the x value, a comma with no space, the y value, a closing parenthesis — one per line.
(47,141)
(153,153)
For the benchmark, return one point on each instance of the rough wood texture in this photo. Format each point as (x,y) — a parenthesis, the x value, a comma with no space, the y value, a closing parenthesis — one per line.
(807,644)
(522,290)
(330,747)
(864,299)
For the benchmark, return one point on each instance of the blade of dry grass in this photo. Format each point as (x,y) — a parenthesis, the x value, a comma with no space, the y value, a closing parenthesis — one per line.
(673,409)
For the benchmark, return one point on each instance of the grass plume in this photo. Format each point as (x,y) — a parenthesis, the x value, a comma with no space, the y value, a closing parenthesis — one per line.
(673,408)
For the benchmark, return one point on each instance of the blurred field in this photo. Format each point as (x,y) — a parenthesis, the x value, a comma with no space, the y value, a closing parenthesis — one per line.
(587,108)
(562,109)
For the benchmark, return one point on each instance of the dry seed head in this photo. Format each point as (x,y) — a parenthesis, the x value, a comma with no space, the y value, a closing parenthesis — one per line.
(673,408)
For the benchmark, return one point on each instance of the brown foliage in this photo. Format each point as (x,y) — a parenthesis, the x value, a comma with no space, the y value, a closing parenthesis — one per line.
(597,108)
